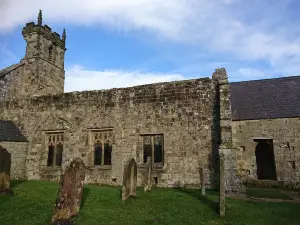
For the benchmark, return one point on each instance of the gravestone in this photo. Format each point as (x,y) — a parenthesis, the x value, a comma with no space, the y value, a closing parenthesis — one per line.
(5,163)
(129,179)
(148,175)
(70,191)
(222,185)
(202,181)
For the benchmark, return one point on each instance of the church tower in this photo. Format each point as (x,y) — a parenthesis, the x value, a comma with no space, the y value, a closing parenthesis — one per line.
(44,60)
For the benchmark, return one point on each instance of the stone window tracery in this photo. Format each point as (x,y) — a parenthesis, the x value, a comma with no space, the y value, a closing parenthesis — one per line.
(55,149)
(153,147)
(102,147)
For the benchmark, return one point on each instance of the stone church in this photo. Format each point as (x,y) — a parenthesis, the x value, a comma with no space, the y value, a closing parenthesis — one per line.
(182,125)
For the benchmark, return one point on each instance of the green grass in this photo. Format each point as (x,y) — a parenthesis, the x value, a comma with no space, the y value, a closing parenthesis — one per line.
(267,193)
(33,204)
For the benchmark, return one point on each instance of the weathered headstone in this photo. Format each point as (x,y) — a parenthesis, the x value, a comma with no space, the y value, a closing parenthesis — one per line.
(222,185)
(129,179)
(70,191)
(202,181)
(5,163)
(148,175)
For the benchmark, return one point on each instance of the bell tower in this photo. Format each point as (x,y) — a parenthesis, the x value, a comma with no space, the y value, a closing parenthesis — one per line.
(44,59)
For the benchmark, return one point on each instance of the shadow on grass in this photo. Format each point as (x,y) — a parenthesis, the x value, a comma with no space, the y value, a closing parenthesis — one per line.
(203,198)
(15,183)
(85,195)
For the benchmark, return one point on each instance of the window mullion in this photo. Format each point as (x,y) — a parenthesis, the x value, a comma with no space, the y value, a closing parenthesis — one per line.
(102,153)
(152,145)
(54,152)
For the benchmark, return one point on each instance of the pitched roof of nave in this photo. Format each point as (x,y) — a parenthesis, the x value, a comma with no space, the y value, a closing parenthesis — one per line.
(9,131)
(8,69)
(265,99)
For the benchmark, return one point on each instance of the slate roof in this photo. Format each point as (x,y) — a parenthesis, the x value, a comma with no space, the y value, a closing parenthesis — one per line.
(265,99)
(10,132)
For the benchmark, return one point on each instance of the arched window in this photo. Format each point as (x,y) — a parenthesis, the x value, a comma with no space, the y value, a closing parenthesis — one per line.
(55,149)
(102,147)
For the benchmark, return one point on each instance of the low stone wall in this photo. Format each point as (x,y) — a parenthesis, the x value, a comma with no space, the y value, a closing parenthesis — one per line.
(18,152)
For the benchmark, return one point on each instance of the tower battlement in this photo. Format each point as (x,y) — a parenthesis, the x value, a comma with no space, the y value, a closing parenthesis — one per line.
(44,30)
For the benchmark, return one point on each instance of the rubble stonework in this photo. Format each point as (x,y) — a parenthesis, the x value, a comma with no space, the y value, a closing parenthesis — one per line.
(194,117)
(233,182)
(222,189)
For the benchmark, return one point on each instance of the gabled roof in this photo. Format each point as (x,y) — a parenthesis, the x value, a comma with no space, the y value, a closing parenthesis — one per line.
(6,70)
(10,132)
(265,99)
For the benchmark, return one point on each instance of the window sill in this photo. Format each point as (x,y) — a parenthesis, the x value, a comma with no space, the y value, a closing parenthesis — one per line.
(156,167)
(102,167)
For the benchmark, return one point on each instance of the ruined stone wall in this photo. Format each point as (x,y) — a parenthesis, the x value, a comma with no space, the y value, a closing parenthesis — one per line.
(286,140)
(11,81)
(181,111)
(18,152)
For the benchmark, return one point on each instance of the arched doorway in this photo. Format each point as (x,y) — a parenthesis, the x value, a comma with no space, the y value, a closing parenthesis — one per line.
(265,160)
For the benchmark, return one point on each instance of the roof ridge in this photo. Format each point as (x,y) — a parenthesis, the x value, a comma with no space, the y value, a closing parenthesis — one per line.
(10,68)
(267,79)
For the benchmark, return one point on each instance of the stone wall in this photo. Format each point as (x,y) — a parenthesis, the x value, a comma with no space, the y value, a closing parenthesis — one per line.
(11,81)
(181,111)
(42,78)
(18,152)
(286,141)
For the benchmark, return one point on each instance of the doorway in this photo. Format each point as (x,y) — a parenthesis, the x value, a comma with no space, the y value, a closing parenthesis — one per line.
(265,160)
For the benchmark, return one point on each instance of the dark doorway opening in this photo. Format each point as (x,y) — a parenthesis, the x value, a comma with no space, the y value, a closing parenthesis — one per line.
(265,160)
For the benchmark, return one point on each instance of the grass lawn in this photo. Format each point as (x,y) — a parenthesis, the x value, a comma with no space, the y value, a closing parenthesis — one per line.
(33,204)
(267,193)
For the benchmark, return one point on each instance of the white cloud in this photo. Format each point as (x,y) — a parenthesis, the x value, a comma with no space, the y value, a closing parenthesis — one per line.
(80,79)
(250,30)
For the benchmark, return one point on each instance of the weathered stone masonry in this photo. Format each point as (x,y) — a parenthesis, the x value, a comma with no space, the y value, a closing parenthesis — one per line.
(181,111)
(188,121)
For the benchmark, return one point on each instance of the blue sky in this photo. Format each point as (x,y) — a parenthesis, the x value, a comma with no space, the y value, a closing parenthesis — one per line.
(118,43)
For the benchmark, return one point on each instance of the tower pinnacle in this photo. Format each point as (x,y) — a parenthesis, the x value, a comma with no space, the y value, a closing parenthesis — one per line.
(40,18)
(64,36)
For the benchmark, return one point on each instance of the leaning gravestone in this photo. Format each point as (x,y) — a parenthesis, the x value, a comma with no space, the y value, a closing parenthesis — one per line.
(148,175)
(202,181)
(5,163)
(129,179)
(70,192)
(222,185)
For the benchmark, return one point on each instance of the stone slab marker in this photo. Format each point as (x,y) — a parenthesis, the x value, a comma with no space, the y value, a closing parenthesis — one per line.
(222,185)
(202,181)
(70,191)
(129,179)
(5,163)
(148,175)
